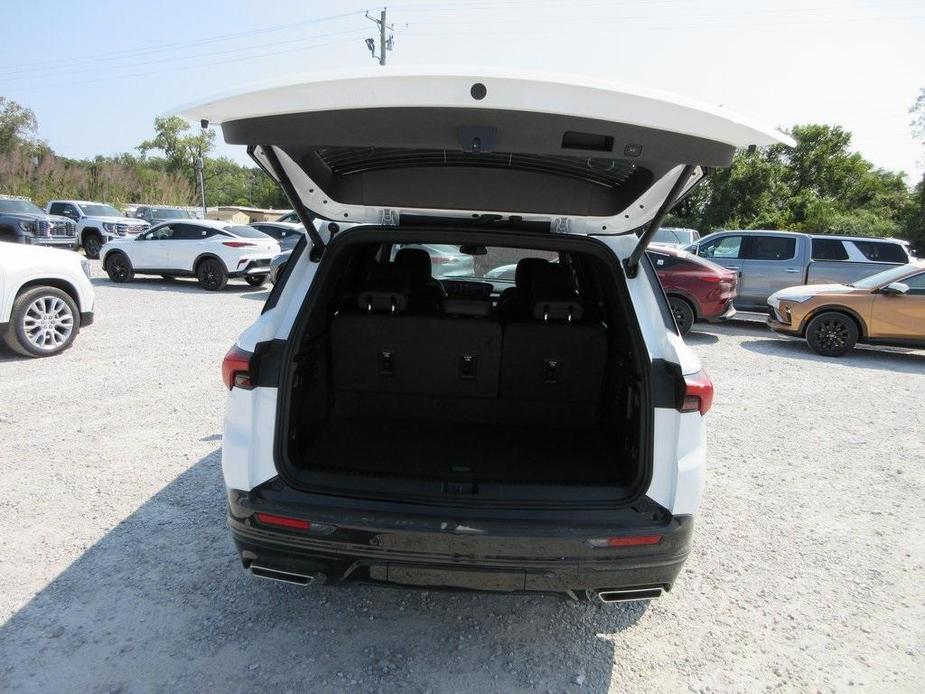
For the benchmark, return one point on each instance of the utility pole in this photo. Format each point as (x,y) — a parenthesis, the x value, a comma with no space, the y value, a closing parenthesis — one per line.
(385,44)
(199,166)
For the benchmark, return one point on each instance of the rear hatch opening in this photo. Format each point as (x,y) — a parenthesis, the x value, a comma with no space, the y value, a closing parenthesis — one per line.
(422,370)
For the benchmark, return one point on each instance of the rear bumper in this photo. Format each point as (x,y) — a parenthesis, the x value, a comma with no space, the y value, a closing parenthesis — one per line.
(258,266)
(723,314)
(411,552)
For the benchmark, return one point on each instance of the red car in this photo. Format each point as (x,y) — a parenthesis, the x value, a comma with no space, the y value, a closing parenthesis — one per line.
(696,288)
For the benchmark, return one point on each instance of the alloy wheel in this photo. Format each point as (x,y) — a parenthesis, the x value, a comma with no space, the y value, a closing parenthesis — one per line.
(48,323)
(832,334)
(118,268)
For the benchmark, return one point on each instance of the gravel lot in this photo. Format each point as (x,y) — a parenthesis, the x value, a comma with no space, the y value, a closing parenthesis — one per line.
(118,574)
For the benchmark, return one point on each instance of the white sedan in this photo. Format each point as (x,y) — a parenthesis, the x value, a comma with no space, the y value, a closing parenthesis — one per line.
(210,251)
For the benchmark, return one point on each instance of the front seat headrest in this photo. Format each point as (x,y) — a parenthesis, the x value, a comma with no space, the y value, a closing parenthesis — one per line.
(526,271)
(415,262)
(386,290)
(554,295)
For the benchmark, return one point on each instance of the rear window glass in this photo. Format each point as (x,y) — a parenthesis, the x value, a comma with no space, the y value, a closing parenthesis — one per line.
(883,252)
(829,249)
(662,260)
(771,248)
(246,232)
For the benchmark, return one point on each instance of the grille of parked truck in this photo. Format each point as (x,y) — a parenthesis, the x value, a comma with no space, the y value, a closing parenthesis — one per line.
(96,222)
(22,221)
(541,433)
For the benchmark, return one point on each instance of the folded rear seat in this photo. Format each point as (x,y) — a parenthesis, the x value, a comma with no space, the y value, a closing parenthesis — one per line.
(384,349)
(553,356)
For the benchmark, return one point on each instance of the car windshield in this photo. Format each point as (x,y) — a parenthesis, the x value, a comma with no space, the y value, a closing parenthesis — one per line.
(680,236)
(247,232)
(20,206)
(170,213)
(94,210)
(886,277)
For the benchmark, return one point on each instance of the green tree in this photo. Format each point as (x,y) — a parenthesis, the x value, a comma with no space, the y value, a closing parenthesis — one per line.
(18,125)
(915,223)
(181,148)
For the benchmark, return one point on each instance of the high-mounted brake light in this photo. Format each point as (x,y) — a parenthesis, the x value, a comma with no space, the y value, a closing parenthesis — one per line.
(284,521)
(238,244)
(236,369)
(698,393)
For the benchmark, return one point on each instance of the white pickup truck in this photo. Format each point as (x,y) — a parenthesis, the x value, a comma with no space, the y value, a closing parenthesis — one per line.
(96,222)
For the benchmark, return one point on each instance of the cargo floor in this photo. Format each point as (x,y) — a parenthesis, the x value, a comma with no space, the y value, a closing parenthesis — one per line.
(448,450)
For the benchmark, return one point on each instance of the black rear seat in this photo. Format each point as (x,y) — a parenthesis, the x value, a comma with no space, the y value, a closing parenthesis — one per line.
(553,356)
(386,349)
(383,348)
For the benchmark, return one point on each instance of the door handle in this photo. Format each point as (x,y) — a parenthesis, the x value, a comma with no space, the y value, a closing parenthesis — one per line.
(792,270)
(733,267)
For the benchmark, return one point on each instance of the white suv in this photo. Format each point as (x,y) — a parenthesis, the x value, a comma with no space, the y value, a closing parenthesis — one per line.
(96,222)
(45,298)
(210,251)
(544,433)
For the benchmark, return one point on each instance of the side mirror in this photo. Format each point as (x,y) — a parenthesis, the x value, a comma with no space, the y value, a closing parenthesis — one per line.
(895,288)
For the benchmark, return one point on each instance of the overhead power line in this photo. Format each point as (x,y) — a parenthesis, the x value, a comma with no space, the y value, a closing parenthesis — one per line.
(212,53)
(194,66)
(160,47)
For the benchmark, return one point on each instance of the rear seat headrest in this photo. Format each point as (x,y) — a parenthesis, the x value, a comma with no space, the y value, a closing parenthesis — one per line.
(526,271)
(386,289)
(415,262)
(554,295)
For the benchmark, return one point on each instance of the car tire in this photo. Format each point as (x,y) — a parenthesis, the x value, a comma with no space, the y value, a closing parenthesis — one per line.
(93,243)
(683,314)
(119,267)
(255,280)
(211,274)
(831,334)
(44,321)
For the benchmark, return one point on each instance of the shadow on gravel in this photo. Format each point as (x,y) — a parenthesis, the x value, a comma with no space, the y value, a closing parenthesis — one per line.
(161,603)
(695,338)
(865,358)
(180,285)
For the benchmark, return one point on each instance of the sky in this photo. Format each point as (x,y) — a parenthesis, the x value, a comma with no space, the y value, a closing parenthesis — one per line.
(97,73)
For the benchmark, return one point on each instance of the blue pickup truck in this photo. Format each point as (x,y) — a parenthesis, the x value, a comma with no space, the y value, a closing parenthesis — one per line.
(771,260)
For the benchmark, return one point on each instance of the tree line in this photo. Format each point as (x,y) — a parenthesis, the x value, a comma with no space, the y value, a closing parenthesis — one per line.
(821,185)
(162,170)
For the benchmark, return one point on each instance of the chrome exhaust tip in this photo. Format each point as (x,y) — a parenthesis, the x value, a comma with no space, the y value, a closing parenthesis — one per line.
(279,575)
(629,594)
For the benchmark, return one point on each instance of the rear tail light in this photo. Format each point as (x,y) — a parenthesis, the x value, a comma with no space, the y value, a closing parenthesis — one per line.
(698,393)
(626,541)
(238,244)
(236,369)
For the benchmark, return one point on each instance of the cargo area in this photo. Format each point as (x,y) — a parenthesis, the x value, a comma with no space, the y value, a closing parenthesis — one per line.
(433,369)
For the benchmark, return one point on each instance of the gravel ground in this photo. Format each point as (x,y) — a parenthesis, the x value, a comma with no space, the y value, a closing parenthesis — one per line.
(118,573)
